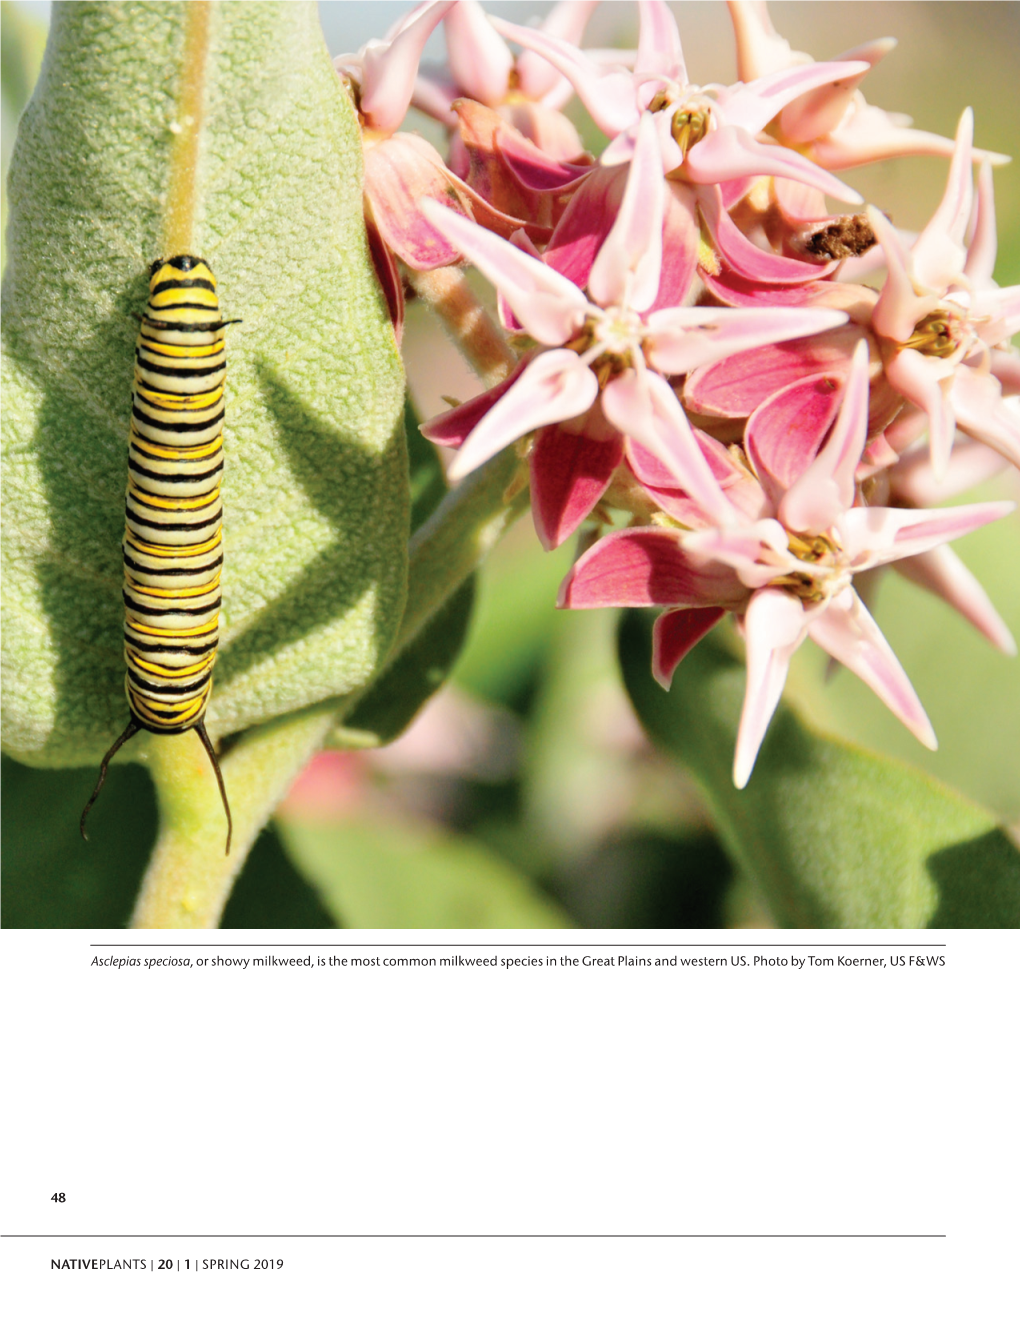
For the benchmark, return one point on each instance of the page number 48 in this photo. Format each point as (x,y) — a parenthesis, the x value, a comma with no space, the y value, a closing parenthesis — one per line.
(58,1196)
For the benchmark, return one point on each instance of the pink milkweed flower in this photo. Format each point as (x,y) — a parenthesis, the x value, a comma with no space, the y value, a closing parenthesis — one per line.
(786,575)
(608,348)
(939,315)
(833,125)
(527,92)
(402,168)
(708,135)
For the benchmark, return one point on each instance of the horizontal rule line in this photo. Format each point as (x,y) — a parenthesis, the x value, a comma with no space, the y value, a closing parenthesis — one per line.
(334,1236)
(614,945)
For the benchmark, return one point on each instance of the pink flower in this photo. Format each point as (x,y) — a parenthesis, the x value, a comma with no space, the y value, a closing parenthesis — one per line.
(402,168)
(833,125)
(707,135)
(786,575)
(527,92)
(608,349)
(939,316)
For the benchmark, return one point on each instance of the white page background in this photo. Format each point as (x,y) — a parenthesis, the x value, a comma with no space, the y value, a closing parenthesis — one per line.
(615,1109)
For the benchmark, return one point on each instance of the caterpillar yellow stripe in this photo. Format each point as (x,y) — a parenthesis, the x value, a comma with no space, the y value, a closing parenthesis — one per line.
(173,549)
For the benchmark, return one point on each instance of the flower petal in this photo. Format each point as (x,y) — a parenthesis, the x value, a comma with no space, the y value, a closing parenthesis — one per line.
(739,253)
(676,632)
(925,381)
(536,78)
(938,256)
(899,306)
(757,552)
(982,412)
(879,536)
(730,152)
(850,635)
(569,475)
(774,625)
(642,405)
(681,339)
(944,574)
(479,59)
(552,388)
(629,263)
(818,113)
(752,105)
(646,566)
(785,433)
(826,489)
(659,50)
(607,93)
(389,67)
(547,304)
(453,428)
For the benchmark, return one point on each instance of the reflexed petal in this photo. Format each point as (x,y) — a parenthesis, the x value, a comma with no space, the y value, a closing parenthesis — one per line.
(479,59)
(646,566)
(643,406)
(850,635)
(680,238)
(453,428)
(403,173)
(878,536)
(738,385)
(629,262)
(774,625)
(569,475)
(552,388)
(827,488)
(743,256)
(549,307)
(685,338)
(677,632)
(584,225)
(943,573)
(785,433)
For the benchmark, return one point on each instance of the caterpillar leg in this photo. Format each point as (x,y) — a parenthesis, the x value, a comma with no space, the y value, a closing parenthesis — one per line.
(128,734)
(200,730)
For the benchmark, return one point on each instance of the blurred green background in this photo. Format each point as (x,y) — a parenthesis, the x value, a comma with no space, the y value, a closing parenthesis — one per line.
(527,794)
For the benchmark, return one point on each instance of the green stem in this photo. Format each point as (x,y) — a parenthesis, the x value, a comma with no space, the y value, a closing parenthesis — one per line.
(188,880)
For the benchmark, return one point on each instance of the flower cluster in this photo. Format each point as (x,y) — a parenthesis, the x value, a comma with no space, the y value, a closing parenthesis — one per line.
(699,355)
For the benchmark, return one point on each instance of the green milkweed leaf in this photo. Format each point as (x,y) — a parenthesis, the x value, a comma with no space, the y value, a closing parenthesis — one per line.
(396,874)
(315,486)
(833,835)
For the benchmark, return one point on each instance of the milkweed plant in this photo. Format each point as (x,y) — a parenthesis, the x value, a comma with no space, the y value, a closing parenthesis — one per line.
(734,384)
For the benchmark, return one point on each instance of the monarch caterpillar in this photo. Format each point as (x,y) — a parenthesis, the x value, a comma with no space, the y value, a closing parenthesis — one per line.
(173,540)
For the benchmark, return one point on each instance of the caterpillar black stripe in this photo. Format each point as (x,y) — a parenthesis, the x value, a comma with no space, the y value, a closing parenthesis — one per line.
(173,538)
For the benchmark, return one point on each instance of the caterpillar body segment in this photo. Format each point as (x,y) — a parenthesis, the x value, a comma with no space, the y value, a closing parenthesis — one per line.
(173,540)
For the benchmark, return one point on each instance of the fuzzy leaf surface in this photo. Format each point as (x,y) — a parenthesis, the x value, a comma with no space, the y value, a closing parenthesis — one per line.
(315,484)
(834,836)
